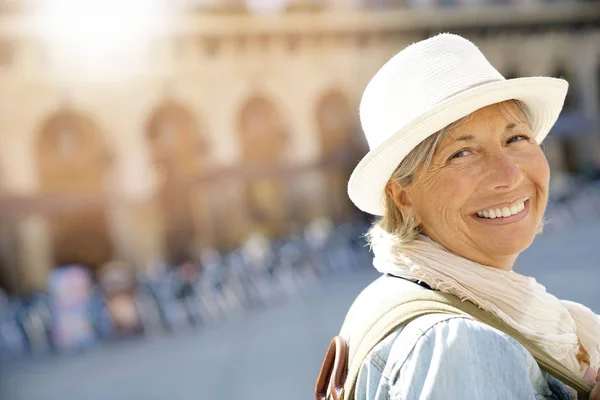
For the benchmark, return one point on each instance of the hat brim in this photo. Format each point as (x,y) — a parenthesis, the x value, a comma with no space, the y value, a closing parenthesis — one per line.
(543,96)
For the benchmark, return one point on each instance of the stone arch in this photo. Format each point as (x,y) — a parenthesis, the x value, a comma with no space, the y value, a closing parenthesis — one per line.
(341,149)
(176,152)
(263,143)
(9,281)
(73,161)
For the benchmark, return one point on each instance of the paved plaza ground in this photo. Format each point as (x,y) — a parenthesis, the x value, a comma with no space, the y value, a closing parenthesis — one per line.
(266,354)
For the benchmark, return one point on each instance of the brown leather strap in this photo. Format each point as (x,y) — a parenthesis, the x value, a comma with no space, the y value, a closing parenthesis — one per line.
(333,370)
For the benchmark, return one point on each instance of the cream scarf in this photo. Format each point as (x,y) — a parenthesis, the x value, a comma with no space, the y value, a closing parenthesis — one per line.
(568,331)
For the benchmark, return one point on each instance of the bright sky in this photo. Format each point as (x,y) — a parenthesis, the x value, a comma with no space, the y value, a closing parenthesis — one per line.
(100,39)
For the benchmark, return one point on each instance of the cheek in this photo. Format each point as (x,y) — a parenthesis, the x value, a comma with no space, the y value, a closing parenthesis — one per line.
(546,172)
(539,172)
(444,195)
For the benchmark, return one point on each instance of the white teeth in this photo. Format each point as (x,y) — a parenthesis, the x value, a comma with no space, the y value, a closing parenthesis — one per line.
(502,213)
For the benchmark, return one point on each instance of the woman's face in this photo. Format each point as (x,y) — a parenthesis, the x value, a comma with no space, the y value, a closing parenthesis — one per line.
(485,193)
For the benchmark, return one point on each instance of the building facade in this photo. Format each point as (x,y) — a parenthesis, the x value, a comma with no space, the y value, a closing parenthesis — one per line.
(229,122)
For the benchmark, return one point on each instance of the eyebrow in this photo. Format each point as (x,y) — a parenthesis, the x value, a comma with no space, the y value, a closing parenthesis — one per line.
(466,138)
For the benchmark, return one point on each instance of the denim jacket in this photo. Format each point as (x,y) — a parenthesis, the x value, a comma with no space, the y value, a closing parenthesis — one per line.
(452,358)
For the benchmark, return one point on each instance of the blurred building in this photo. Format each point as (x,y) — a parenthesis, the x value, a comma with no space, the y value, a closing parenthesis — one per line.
(143,134)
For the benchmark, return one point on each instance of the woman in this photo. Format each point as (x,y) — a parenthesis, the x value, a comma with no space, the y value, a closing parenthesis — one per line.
(460,182)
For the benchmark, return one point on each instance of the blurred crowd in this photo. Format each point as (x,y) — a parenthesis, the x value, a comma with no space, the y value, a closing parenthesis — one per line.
(80,311)
(573,199)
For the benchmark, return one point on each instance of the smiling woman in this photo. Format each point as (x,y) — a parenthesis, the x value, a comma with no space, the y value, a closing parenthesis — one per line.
(420,158)
(485,163)
(457,175)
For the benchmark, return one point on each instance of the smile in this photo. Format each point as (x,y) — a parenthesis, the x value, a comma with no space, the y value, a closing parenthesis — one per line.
(505,214)
(502,212)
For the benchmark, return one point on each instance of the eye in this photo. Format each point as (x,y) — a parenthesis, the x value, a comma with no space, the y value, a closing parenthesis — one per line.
(518,138)
(459,154)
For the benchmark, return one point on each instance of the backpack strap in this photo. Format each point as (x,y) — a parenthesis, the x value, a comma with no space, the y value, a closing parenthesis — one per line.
(368,323)
(413,331)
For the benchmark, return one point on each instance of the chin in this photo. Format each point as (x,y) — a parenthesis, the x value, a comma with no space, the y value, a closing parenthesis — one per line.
(510,246)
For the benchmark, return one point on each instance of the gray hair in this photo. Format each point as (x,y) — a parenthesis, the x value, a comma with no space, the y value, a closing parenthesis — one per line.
(403,227)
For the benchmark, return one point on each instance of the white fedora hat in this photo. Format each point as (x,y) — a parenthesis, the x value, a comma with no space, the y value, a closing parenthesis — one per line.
(424,88)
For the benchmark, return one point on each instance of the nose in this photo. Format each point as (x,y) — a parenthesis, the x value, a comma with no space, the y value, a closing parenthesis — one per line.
(504,172)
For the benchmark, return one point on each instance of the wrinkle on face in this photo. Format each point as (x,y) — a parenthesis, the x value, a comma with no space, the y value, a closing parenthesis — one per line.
(497,167)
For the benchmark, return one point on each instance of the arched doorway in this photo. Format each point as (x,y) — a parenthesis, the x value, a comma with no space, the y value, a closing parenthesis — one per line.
(9,281)
(341,149)
(511,73)
(572,100)
(263,143)
(598,85)
(174,143)
(72,162)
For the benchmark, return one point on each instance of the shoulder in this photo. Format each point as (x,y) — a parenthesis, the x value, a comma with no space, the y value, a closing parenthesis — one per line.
(450,339)
(453,355)
(374,297)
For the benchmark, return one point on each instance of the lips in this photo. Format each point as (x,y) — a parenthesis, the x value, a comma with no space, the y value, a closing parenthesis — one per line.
(504,210)
(504,220)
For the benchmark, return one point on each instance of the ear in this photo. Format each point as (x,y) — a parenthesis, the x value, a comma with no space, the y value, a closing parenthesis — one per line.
(400,196)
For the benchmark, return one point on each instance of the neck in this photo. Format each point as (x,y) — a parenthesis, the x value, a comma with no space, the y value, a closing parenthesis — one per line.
(504,263)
